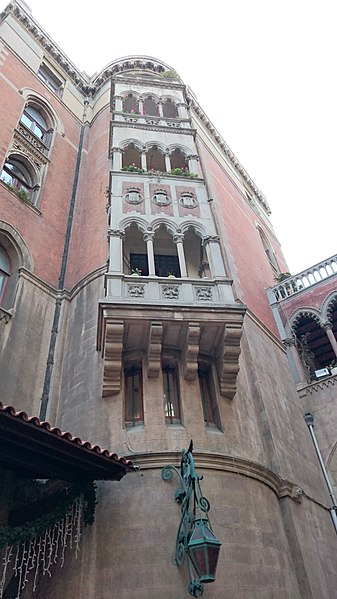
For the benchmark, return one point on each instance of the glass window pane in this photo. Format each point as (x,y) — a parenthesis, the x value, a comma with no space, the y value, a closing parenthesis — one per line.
(171,394)
(133,396)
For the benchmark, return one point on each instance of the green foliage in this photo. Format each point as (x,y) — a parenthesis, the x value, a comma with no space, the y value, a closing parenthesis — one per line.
(132,169)
(170,74)
(181,172)
(13,535)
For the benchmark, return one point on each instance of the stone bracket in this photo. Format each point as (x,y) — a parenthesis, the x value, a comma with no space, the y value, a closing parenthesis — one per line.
(112,357)
(154,349)
(191,351)
(229,366)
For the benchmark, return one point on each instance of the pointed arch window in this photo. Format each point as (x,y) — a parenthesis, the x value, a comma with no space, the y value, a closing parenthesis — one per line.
(19,176)
(5,271)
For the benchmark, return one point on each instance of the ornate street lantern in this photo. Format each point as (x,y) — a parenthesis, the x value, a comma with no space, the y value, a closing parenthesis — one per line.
(195,538)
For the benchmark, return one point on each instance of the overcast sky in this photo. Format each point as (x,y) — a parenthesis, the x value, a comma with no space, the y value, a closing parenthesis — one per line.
(264,71)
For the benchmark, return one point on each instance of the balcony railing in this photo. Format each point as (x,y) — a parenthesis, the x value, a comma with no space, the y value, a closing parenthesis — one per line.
(304,280)
(168,290)
(161,121)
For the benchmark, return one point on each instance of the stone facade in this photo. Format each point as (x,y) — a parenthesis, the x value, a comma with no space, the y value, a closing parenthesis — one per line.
(145,252)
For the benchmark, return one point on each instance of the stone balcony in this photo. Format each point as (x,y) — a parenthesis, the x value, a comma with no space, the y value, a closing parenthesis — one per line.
(154,121)
(148,316)
(294,285)
(168,290)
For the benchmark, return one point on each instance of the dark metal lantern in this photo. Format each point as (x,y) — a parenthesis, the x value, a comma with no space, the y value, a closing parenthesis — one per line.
(203,550)
(195,537)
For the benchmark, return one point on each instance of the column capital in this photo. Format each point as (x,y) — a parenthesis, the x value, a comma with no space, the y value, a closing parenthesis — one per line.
(211,239)
(327,326)
(289,342)
(117,149)
(148,236)
(117,233)
(193,157)
(182,104)
(118,97)
(178,238)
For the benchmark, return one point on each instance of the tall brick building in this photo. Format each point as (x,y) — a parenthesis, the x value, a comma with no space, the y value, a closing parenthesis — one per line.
(135,254)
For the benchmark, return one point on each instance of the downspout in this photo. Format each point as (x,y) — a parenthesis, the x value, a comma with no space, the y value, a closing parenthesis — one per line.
(58,303)
(309,419)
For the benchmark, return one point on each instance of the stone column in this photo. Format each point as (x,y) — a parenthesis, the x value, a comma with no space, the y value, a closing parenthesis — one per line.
(141,105)
(179,241)
(214,258)
(118,103)
(167,162)
(116,158)
(148,238)
(328,329)
(116,237)
(193,163)
(182,110)
(294,360)
(143,162)
(160,108)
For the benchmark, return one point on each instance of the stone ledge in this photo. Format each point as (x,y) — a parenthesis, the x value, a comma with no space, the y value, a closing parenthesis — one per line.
(225,463)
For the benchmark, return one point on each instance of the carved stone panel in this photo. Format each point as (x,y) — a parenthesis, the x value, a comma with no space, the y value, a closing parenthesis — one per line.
(204,294)
(170,291)
(136,290)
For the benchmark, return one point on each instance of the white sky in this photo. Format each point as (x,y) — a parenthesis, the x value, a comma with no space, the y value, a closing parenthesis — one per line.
(264,71)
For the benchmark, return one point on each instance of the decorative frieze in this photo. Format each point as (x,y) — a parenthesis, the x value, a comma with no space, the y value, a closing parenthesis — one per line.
(24,145)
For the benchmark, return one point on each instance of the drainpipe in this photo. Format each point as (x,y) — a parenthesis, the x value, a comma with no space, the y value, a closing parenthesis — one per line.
(58,303)
(309,419)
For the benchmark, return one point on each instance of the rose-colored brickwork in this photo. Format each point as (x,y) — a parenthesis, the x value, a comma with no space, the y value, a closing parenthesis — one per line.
(250,269)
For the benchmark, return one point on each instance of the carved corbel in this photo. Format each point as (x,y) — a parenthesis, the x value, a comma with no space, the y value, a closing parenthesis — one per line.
(192,351)
(230,360)
(112,358)
(154,349)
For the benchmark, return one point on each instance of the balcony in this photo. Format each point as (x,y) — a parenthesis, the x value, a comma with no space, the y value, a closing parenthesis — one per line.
(294,285)
(168,290)
(154,121)
(146,316)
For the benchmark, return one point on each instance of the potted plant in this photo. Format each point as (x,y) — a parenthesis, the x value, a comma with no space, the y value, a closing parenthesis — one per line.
(136,272)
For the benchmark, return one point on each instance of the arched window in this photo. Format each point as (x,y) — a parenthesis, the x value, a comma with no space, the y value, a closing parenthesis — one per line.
(130,104)
(150,107)
(269,250)
(155,160)
(5,271)
(131,157)
(38,122)
(19,175)
(170,110)
(178,160)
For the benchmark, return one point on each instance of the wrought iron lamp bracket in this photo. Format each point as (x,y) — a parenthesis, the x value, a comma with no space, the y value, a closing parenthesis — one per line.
(194,511)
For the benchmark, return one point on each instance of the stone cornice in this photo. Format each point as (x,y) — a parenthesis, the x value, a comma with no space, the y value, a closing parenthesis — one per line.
(227,151)
(317,386)
(29,23)
(88,86)
(224,463)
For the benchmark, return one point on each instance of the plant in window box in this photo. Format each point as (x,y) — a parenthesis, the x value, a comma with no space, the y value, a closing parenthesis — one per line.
(171,275)
(136,272)
(132,168)
(181,172)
